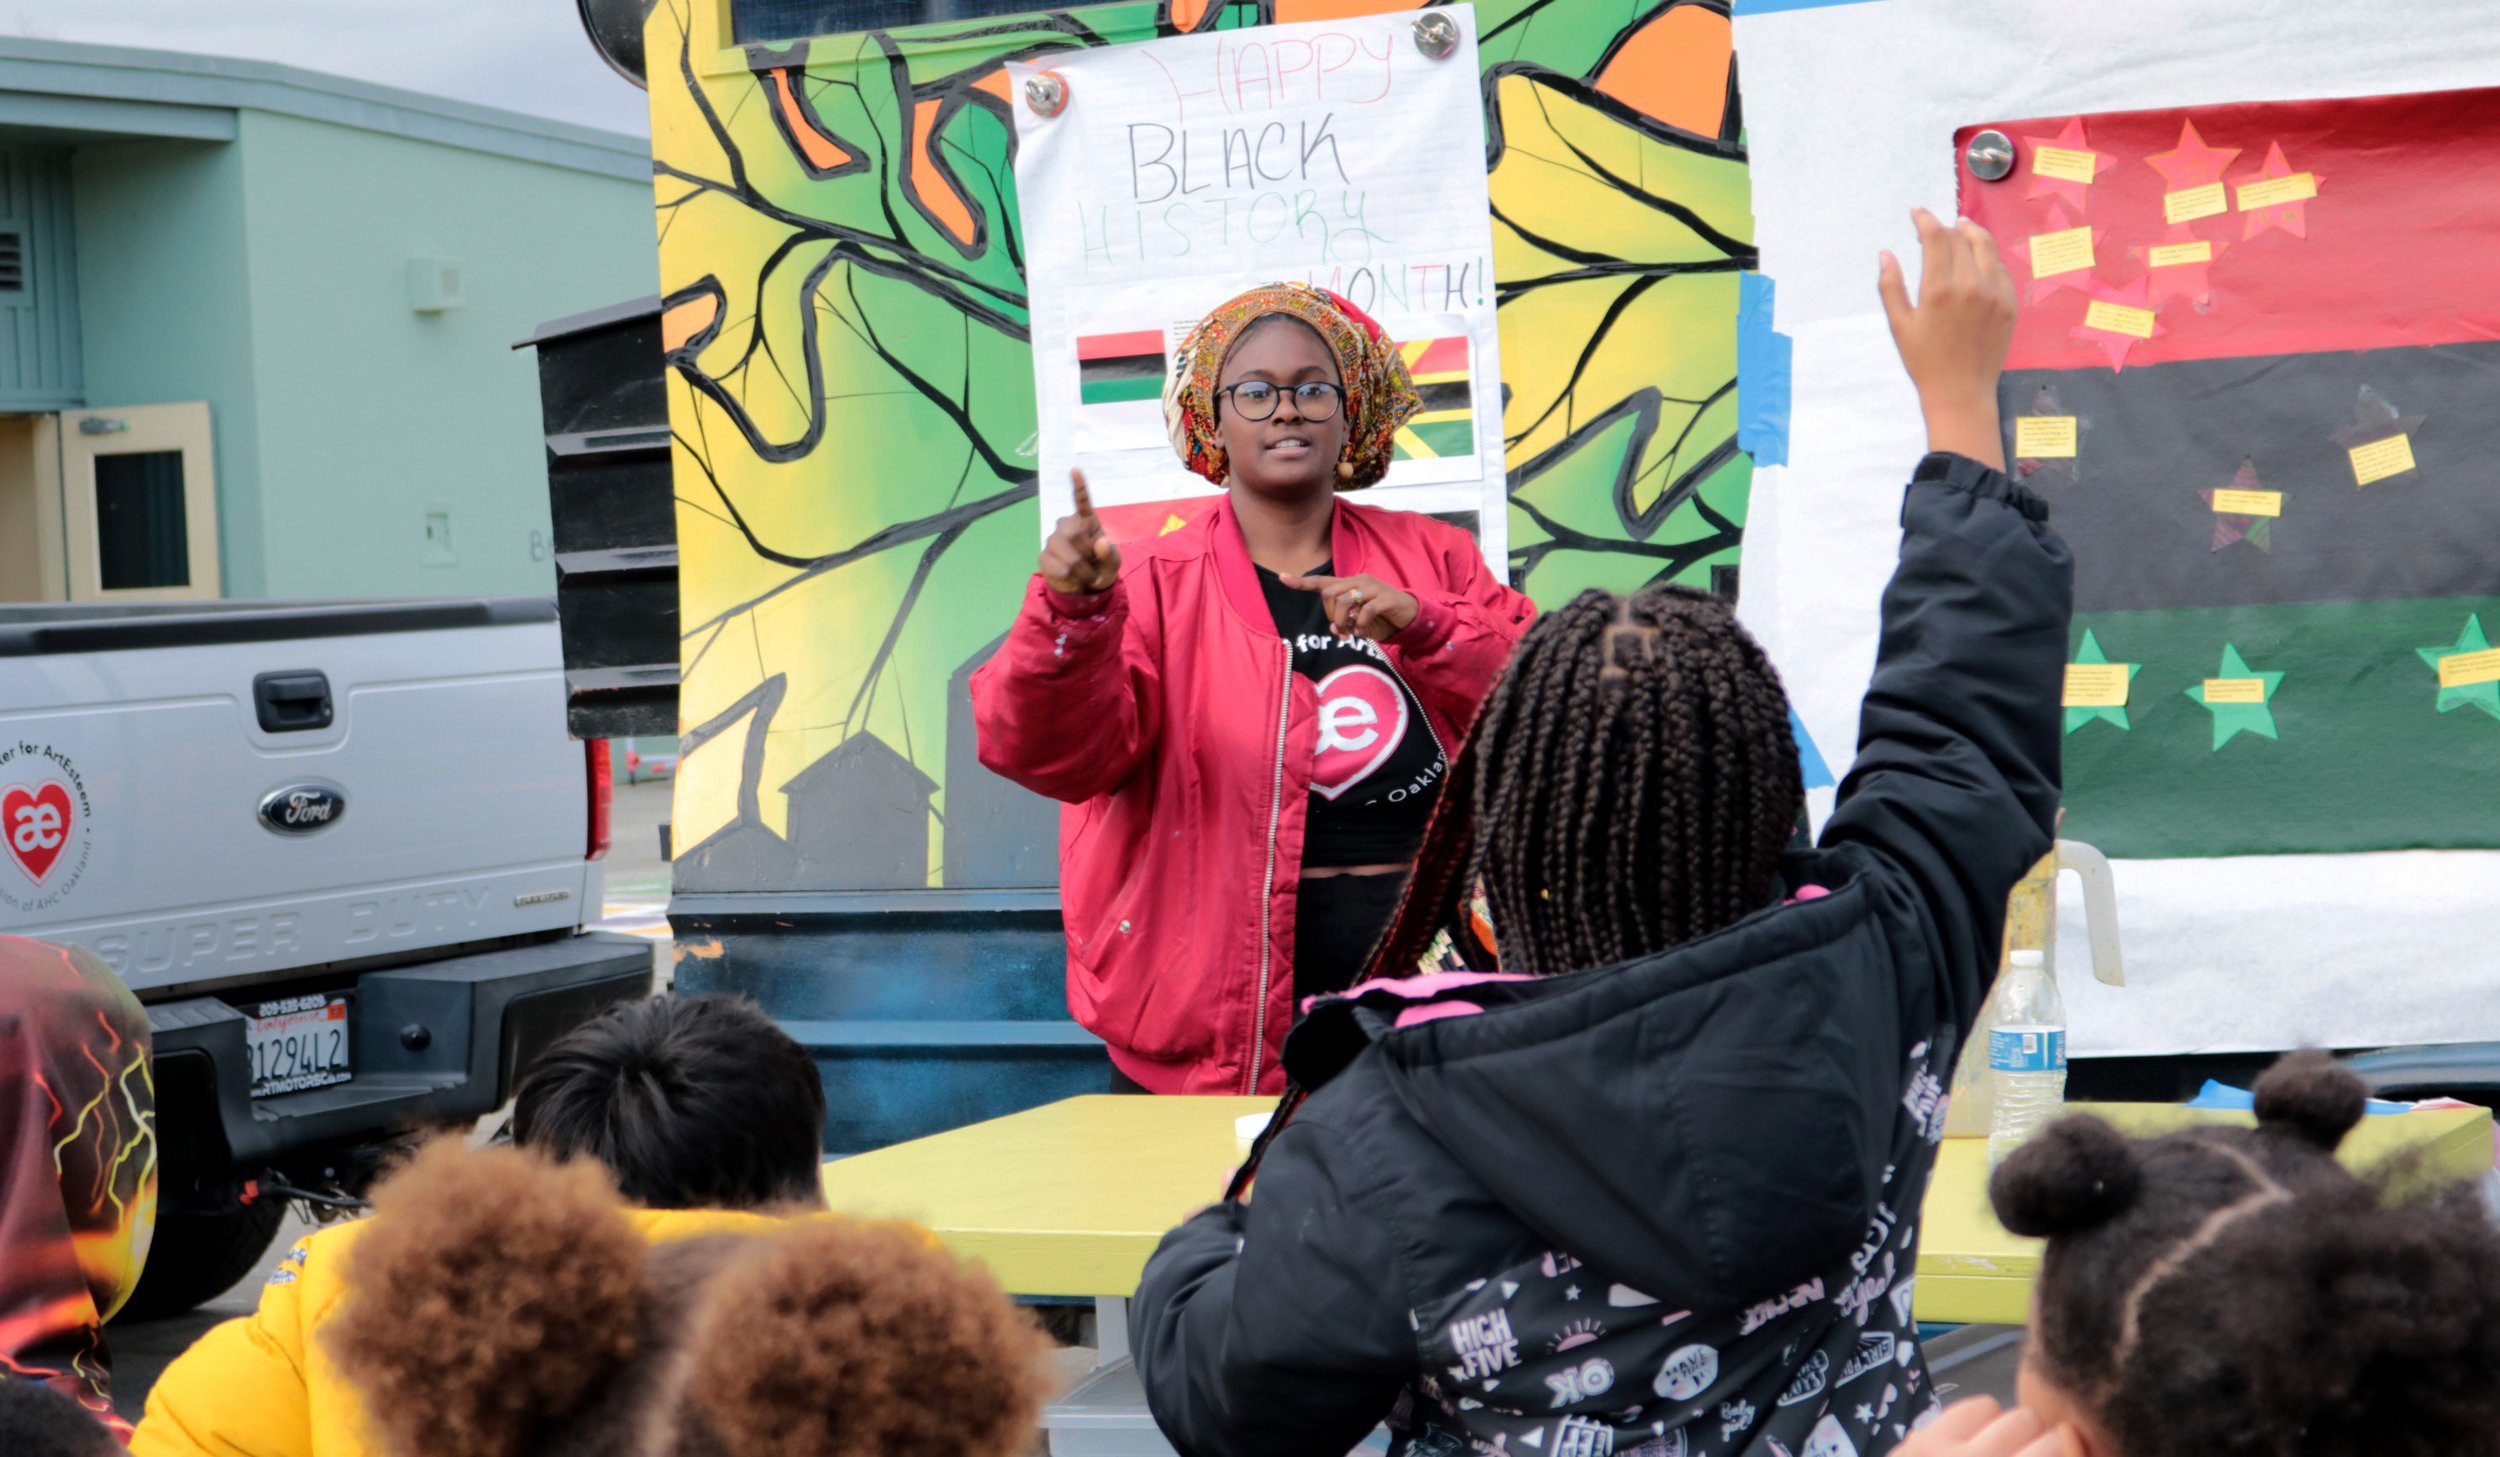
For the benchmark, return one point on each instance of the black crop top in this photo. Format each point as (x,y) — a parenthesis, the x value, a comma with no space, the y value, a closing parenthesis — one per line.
(1378,765)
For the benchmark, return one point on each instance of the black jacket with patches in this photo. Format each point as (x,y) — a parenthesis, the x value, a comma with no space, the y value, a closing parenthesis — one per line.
(1666,1207)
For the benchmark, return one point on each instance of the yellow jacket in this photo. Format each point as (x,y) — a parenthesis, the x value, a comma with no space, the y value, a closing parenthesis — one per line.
(262,1386)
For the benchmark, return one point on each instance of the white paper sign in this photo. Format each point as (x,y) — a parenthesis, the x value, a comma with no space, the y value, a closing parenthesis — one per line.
(1183,171)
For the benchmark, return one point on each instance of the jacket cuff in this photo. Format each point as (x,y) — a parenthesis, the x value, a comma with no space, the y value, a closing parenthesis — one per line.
(1435,620)
(1077,605)
(1961,473)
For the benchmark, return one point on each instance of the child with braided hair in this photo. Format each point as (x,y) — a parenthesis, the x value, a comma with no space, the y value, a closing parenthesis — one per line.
(1651,1185)
(2228,1290)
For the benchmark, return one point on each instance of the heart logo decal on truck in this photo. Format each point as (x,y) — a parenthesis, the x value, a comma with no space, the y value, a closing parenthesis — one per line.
(36,824)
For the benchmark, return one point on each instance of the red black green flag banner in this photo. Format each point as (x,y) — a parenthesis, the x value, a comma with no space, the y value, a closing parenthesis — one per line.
(1119,368)
(2255,377)
(1446,424)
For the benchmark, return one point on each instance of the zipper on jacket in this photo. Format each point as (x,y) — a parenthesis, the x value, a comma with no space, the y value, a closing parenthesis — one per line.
(1267,893)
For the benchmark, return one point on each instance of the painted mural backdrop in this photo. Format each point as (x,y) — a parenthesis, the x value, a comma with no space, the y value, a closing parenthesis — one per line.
(851,387)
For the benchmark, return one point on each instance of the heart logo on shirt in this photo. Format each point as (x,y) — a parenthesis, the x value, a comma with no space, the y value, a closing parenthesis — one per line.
(36,823)
(1362,720)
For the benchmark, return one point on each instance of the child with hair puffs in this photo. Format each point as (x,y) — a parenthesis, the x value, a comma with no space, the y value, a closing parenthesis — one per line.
(2235,1291)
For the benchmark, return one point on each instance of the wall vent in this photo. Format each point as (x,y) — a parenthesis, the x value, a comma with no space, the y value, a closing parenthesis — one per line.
(12,260)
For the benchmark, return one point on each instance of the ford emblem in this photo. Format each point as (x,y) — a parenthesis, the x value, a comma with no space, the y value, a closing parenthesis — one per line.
(301,809)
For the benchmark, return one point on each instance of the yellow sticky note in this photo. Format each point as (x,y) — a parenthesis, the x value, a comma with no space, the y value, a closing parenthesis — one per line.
(2096,685)
(2276,191)
(2380,459)
(2119,319)
(2235,690)
(2459,670)
(2171,255)
(2248,503)
(2056,253)
(2065,164)
(2044,437)
(2190,203)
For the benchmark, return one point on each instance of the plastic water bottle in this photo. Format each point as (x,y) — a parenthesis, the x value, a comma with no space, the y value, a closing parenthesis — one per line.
(2026,1054)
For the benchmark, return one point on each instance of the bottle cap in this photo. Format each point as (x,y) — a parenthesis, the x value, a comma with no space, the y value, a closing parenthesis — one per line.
(2026,958)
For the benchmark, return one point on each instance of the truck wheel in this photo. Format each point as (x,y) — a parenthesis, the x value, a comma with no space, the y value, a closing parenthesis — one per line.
(198,1257)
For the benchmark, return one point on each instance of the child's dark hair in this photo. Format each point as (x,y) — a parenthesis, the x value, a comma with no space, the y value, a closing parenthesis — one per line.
(1629,786)
(2223,1290)
(36,1421)
(690,1102)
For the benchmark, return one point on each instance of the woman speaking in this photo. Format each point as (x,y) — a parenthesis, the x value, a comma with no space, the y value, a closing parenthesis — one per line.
(1248,718)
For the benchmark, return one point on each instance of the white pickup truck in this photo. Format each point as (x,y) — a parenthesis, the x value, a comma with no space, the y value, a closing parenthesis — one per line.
(343,853)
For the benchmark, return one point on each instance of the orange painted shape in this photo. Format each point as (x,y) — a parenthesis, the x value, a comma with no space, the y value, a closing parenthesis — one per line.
(688,319)
(823,152)
(1288,11)
(1675,69)
(995,83)
(1186,14)
(929,184)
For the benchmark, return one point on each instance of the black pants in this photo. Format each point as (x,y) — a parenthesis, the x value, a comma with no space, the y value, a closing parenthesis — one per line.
(1338,920)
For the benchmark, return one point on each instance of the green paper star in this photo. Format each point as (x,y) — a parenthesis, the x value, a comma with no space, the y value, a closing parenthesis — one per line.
(2234,718)
(2091,653)
(2485,696)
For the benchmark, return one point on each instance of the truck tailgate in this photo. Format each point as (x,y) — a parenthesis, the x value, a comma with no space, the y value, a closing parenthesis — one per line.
(442,803)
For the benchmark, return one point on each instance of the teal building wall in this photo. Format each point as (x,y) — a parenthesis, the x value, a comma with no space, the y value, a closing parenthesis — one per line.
(242,235)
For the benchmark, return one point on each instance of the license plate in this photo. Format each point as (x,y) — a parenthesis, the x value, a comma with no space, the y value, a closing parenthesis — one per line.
(297,1044)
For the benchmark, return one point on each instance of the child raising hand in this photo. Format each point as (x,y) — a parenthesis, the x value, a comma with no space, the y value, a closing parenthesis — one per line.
(1652,1185)
(2226,1290)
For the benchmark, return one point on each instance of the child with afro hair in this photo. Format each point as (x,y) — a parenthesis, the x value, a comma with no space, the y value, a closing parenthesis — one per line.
(2234,1291)
(503,1305)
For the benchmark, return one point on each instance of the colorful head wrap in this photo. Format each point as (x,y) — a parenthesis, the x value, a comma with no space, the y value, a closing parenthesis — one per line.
(1379,397)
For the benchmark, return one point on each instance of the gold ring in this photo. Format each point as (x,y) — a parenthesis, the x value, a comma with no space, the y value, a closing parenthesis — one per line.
(1356,596)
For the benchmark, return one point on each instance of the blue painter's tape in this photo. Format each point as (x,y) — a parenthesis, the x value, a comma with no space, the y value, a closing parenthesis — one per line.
(1765,7)
(1762,361)
(1818,774)
(2221,1095)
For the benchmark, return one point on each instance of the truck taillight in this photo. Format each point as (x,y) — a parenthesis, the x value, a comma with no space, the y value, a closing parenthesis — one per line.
(602,796)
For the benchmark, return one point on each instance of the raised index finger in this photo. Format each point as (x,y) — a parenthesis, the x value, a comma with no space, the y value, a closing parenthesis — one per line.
(1084,498)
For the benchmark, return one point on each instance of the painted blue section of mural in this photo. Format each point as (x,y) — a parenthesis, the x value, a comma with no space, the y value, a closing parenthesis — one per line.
(923,1011)
(1762,369)
(1766,7)
(1818,774)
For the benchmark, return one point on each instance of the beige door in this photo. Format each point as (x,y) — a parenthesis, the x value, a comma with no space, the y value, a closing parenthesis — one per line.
(139,503)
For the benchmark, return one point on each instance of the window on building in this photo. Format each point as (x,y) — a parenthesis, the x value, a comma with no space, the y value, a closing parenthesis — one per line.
(780,20)
(141,537)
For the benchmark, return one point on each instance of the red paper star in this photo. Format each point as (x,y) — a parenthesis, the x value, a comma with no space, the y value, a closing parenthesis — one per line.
(2191,163)
(2059,221)
(2190,281)
(2291,217)
(2135,296)
(2072,139)
(2257,531)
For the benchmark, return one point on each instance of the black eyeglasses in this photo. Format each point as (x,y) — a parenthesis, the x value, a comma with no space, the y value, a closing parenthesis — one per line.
(1255,399)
